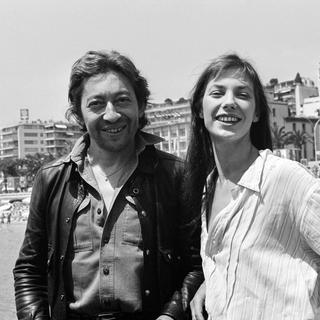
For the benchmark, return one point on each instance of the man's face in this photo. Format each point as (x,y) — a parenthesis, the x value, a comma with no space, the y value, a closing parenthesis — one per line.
(110,112)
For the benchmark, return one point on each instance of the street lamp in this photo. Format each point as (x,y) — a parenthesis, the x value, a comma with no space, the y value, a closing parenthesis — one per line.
(315,139)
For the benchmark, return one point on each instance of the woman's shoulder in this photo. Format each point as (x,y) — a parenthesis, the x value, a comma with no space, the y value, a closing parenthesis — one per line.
(285,168)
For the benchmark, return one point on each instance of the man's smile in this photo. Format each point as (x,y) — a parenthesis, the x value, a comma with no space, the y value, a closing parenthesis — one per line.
(114,130)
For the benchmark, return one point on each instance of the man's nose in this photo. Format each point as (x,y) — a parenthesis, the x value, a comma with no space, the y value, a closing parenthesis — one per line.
(110,113)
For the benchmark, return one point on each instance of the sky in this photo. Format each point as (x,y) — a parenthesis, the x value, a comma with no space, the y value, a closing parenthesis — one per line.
(170,41)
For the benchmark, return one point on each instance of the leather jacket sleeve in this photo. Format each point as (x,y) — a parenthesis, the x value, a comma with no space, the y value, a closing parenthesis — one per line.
(178,306)
(30,271)
(189,230)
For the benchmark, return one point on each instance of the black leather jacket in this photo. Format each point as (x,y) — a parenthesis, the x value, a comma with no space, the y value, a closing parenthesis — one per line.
(170,232)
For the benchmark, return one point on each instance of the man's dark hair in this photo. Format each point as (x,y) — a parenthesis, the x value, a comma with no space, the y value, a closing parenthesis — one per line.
(99,62)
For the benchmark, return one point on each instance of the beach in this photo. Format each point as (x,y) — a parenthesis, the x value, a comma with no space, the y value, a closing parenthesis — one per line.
(11,237)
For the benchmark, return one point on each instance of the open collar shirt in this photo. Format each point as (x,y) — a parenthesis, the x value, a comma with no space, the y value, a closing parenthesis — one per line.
(104,267)
(261,252)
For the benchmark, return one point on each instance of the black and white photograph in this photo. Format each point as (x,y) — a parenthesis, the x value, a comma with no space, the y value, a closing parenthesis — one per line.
(160,160)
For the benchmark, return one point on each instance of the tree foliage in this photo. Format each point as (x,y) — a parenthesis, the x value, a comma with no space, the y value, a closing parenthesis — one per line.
(299,139)
(279,137)
(8,167)
(32,163)
(27,166)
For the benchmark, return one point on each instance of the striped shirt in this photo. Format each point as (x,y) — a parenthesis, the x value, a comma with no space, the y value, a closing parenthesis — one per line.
(261,252)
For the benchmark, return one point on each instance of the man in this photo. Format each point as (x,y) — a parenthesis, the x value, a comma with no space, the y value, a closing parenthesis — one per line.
(108,236)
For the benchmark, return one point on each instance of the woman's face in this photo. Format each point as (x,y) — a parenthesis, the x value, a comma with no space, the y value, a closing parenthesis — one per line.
(228,108)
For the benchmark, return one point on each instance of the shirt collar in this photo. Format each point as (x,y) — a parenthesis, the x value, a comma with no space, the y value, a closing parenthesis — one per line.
(144,139)
(252,177)
(79,151)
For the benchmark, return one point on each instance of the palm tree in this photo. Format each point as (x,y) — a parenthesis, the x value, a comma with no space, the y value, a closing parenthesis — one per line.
(7,168)
(299,139)
(279,136)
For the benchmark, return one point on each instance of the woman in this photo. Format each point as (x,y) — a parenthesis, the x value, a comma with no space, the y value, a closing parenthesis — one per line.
(260,241)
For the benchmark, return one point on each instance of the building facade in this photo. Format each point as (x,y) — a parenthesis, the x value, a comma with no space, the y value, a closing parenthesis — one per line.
(170,121)
(311,107)
(29,138)
(19,140)
(293,92)
(279,110)
(300,125)
(59,137)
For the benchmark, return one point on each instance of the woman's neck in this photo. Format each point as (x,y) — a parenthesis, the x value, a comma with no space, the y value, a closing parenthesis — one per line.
(233,159)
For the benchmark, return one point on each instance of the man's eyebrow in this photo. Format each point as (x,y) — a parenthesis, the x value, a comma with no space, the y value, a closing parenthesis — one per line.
(102,96)
(123,91)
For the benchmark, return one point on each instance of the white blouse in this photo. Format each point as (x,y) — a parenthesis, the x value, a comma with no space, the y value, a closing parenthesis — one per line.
(261,253)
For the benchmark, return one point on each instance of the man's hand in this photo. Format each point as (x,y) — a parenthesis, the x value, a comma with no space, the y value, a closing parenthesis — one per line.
(197,303)
(164,317)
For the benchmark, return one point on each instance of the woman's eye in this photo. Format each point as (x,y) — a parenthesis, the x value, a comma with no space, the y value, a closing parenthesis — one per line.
(244,95)
(216,93)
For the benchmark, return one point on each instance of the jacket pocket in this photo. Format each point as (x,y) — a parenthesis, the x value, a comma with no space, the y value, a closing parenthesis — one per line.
(82,235)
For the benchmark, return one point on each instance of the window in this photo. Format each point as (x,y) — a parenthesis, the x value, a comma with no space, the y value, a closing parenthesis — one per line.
(293,126)
(182,132)
(182,145)
(165,146)
(30,142)
(303,127)
(173,131)
(30,134)
(164,132)
(31,150)
(274,112)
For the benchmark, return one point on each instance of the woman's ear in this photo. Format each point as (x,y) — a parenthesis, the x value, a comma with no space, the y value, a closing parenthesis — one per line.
(201,114)
(256,118)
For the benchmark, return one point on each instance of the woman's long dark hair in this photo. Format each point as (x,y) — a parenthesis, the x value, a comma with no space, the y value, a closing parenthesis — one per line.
(200,158)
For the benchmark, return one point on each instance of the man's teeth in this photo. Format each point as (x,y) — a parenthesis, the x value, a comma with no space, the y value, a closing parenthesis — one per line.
(115,130)
(228,119)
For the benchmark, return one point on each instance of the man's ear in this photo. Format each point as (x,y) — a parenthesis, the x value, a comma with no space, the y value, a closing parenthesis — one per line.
(142,109)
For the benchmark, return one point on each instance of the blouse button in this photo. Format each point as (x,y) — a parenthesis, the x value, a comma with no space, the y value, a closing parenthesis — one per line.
(147,292)
(106,271)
